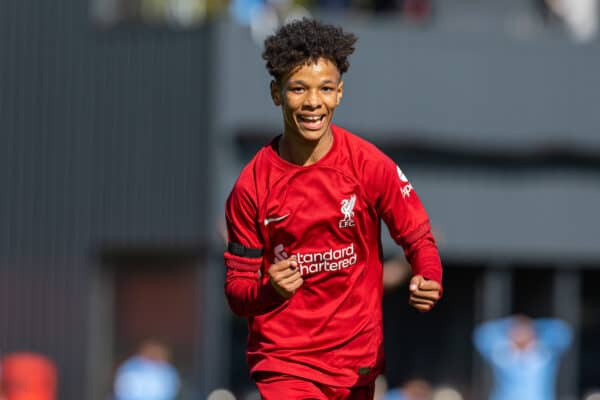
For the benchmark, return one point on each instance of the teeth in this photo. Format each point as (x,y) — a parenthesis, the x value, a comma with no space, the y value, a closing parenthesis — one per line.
(312,119)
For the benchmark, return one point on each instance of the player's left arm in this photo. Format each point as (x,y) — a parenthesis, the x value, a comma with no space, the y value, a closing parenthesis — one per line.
(424,294)
(556,334)
(400,207)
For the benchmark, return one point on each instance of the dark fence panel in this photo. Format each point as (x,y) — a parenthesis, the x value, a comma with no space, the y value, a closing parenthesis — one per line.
(102,135)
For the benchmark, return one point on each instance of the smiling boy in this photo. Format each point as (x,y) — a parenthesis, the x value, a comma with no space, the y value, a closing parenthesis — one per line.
(304,259)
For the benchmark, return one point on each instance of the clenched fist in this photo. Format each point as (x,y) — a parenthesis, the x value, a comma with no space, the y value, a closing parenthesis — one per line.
(285,277)
(424,294)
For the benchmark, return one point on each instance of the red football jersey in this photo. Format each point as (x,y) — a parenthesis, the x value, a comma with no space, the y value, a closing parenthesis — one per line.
(328,215)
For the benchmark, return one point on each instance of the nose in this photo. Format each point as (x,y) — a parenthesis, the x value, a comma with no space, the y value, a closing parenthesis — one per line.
(313,99)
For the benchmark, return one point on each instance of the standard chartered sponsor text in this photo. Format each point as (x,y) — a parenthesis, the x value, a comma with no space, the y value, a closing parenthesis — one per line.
(328,260)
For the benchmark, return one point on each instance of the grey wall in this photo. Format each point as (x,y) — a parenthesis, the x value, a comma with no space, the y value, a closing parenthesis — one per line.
(544,216)
(474,89)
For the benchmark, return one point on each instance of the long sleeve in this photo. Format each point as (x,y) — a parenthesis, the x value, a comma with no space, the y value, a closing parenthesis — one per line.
(554,333)
(424,258)
(247,293)
(402,211)
(491,334)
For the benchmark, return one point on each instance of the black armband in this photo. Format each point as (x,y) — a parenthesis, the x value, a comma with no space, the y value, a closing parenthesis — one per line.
(242,251)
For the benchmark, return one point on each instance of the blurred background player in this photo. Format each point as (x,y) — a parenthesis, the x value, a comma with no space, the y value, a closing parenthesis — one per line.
(524,355)
(28,376)
(147,375)
(414,389)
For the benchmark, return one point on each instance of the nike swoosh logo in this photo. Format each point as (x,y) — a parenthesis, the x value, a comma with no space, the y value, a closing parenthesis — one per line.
(275,219)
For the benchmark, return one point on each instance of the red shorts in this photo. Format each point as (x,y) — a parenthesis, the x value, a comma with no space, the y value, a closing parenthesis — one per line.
(285,387)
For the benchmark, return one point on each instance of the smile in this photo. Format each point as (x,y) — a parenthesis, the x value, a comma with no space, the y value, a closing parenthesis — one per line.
(311,122)
(311,118)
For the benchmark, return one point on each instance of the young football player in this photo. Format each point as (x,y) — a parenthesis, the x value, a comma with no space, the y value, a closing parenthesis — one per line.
(304,258)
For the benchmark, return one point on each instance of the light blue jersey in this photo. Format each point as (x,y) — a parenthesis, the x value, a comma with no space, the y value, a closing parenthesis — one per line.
(528,374)
(144,379)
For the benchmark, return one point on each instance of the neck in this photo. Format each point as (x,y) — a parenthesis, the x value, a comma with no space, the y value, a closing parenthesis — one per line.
(304,153)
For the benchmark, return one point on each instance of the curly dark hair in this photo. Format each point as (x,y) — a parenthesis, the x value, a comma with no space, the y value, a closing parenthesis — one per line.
(306,40)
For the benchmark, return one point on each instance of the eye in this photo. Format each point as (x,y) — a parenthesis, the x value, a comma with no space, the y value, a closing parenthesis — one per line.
(297,89)
(327,89)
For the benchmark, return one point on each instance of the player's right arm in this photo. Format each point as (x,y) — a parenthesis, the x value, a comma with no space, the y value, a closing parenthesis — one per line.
(246,292)
(285,277)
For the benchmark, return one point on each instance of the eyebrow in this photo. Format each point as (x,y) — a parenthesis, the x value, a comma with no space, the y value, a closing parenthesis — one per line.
(301,82)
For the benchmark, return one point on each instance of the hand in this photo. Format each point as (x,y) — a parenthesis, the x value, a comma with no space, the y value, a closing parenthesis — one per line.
(424,294)
(285,277)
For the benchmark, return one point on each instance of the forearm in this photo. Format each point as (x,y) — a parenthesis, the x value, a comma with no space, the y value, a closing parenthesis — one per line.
(247,295)
(424,258)
(555,333)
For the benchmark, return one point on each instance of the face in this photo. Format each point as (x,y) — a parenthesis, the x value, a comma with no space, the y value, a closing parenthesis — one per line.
(522,335)
(308,96)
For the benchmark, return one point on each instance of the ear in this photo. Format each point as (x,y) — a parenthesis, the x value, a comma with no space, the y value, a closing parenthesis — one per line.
(340,90)
(276,93)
